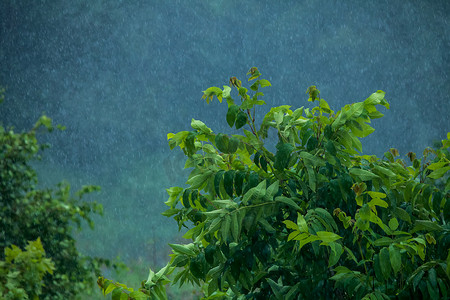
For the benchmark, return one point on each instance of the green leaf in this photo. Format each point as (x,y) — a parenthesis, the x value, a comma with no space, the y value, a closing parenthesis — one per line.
(241,119)
(301,222)
(393,224)
(312,159)
(255,193)
(235,226)
(225,228)
(402,214)
(233,145)
(264,83)
(395,258)
(228,182)
(238,181)
(183,249)
(222,141)
(272,190)
(438,173)
(336,252)
(287,201)
(282,156)
(291,225)
(385,262)
(426,225)
(217,179)
(328,237)
(378,202)
(211,92)
(276,288)
(231,114)
(363,175)
(364,212)
(199,125)
(197,181)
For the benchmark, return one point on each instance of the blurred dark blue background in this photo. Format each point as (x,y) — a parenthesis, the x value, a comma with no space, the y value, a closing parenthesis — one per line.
(122,74)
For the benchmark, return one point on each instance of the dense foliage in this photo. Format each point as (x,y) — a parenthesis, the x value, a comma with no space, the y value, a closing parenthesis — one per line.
(312,219)
(28,213)
(22,271)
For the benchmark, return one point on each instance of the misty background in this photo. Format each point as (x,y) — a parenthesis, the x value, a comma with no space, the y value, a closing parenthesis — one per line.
(120,75)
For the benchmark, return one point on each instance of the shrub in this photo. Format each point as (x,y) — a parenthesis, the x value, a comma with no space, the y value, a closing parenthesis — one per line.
(22,271)
(27,213)
(313,219)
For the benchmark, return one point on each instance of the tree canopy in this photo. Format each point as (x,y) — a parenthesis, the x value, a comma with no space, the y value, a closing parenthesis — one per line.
(315,218)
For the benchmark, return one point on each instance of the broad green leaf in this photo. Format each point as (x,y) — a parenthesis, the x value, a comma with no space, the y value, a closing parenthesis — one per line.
(439,173)
(328,237)
(327,217)
(231,114)
(228,179)
(402,214)
(426,225)
(233,145)
(437,165)
(241,119)
(395,258)
(276,288)
(137,295)
(208,148)
(225,228)
(291,225)
(267,226)
(364,212)
(264,83)
(282,156)
(312,159)
(197,181)
(376,98)
(301,222)
(311,178)
(393,224)
(183,249)
(111,287)
(378,202)
(287,201)
(336,252)
(385,171)
(383,241)
(278,117)
(272,190)
(297,113)
(363,175)
(199,125)
(385,262)
(222,141)
(376,194)
(226,92)
(211,92)
(255,193)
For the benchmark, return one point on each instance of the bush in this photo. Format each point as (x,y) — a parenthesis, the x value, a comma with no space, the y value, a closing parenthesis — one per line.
(22,271)
(313,219)
(27,213)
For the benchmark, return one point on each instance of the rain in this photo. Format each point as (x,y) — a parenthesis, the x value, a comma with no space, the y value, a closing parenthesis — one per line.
(120,75)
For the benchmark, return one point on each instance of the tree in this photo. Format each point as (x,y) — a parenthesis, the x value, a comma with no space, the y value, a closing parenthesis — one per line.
(28,213)
(313,219)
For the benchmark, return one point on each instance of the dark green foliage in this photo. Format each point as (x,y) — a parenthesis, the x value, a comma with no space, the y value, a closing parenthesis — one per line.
(314,220)
(28,213)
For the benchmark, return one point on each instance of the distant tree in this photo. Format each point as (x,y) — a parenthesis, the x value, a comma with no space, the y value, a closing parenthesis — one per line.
(315,219)
(28,213)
